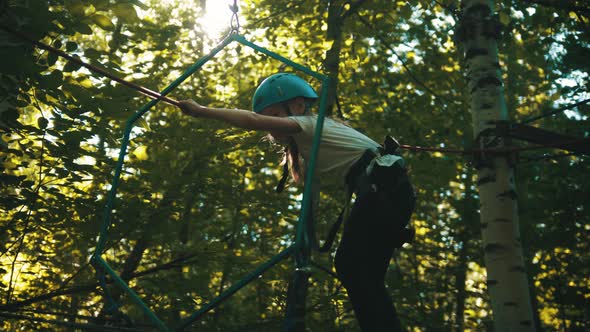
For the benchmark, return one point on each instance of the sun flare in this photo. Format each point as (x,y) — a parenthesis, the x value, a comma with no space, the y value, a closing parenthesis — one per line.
(217,17)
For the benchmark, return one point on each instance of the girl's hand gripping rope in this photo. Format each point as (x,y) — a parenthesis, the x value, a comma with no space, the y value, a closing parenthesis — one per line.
(190,107)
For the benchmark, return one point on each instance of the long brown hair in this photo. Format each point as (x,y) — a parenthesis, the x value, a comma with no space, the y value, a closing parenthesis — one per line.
(290,160)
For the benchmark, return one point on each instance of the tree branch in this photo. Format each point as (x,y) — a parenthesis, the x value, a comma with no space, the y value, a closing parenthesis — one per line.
(404,64)
(561,4)
(81,326)
(276,13)
(92,287)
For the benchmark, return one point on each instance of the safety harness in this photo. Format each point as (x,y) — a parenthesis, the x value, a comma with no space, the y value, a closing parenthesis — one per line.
(360,181)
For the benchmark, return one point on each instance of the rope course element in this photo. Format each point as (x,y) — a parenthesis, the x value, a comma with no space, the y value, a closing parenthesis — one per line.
(531,159)
(235,19)
(235,30)
(302,246)
(491,150)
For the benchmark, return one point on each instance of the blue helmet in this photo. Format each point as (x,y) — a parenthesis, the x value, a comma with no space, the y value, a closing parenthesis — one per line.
(279,88)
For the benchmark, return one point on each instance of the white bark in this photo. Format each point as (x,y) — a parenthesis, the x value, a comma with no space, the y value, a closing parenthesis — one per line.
(506,277)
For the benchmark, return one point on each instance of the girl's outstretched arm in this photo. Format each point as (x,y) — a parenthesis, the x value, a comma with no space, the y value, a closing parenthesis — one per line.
(241,118)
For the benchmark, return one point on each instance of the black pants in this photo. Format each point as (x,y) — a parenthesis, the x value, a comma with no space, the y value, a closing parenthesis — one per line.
(370,235)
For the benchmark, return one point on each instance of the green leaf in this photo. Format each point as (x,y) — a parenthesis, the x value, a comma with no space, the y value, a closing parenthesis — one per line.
(11,179)
(103,22)
(84,29)
(139,4)
(71,66)
(125,12)
(71,46)
(101,4)
(15,59)
(75,7)
(51,81)
(504,18)
(141,122)
(8,112)
(42,123)
(92,53)
(51,58)
(22,103)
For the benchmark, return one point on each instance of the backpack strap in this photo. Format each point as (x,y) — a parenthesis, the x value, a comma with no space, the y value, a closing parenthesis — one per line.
(352,184)
(336,225)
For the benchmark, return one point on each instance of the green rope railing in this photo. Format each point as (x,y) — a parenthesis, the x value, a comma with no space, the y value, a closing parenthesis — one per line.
(302,246)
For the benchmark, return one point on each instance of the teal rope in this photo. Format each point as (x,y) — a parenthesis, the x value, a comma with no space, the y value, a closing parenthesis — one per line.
(112,307)
(129,126)
(302,245)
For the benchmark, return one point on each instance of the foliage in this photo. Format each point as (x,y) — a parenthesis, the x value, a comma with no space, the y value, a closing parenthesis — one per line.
(199,194)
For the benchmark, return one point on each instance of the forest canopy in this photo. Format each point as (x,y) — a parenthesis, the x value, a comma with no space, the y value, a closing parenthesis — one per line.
(196,209)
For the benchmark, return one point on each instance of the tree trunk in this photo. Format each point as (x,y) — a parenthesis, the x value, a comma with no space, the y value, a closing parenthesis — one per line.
(332,60)
(296,297)
(461,296)
(338,12)
(129,267)
(524,207)
(506,277)
(467,230)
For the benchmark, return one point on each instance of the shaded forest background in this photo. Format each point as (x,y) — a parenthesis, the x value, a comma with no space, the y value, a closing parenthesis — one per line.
(196,209)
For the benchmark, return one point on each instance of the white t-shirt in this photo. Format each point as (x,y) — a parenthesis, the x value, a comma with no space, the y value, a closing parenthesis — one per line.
(340,146)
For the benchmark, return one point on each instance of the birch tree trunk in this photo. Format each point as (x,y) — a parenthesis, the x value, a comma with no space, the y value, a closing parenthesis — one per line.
(506,277)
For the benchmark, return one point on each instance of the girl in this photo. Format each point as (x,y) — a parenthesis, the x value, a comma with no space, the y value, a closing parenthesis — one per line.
(384,196)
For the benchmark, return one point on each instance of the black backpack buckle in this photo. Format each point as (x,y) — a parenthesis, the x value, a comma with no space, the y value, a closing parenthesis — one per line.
(390,145)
